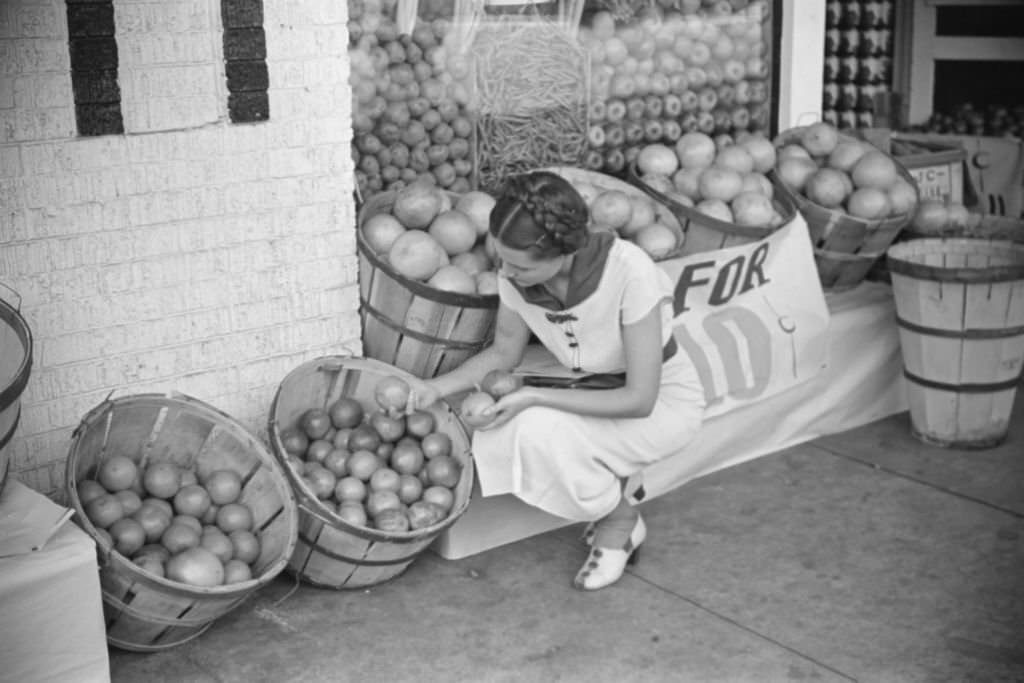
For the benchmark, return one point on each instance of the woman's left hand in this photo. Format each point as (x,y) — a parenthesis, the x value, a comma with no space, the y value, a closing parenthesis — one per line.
(508,406)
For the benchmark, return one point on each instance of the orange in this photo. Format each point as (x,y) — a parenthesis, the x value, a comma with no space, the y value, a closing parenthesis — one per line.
(416,255)
(611,208)
(454,231)
(452,278)
(162,479)
(117,473)
(380,231)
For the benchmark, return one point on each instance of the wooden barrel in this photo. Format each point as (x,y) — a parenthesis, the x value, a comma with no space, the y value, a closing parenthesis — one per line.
(330,552)
(144,612)
(960,311)
(15,368)
(705,233)
(410,325)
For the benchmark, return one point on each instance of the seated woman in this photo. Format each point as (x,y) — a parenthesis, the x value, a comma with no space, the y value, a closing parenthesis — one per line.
(599,305)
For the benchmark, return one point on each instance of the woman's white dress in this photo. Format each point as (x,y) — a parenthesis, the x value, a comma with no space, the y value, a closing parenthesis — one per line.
(573,465)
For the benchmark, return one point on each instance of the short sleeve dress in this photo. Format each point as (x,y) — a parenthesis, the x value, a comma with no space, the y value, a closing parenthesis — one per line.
(573,465)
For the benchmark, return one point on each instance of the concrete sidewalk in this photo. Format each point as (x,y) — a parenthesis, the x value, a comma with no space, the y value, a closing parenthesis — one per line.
(862,556)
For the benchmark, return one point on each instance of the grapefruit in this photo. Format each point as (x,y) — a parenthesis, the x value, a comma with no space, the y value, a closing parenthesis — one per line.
(657,239)
(380,231)
(931,218)
(757,182)
(472,262)
(695,150)
(719,182)
(847,154)
(197,567)
(752,208)
(687,182)
(416,255)
(868,203)
(737,158)
(641,216)
(826,187)
(477,205)
(487,283)
(762,151)
(454,231)
(451,278)
(795,171)
(819,139)
(611,208)
(658,159)
(417,204)
(874,169)
(902,197)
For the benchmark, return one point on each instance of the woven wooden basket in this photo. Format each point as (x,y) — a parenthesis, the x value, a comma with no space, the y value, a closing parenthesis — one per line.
(330,552)
(582,178)
(704,233)
(144,612)
(15,368)
(833,231)
(409,324)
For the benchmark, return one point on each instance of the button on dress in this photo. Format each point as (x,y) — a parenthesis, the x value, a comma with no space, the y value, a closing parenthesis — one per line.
(570,465)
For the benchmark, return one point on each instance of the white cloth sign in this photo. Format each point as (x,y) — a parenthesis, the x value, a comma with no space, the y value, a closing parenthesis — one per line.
(753,318)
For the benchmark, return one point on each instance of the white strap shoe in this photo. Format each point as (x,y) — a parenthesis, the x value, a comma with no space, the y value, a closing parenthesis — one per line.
(605,566)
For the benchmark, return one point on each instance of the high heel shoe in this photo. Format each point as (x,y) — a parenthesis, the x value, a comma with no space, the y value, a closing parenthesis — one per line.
(605,566)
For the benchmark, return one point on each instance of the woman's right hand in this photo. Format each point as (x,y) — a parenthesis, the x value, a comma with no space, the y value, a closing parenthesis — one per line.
(422,394)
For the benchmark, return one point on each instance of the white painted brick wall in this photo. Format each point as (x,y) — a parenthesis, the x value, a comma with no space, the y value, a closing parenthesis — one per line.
(210,259)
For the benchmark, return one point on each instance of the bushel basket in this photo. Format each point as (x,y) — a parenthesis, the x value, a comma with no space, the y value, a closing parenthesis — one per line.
(15,368)
(144,612)
(703,233)
(410,325)
(331,552)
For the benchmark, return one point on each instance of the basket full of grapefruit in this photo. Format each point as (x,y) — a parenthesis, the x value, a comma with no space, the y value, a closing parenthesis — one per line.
(722,194)
(428,280)
(375,486)
(855,198)
(190,514)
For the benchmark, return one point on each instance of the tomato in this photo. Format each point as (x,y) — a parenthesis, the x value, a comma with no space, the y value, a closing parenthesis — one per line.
(234,516)
(443,470)
(224,486)
(385,479)
(315,423)
(363,437)
(117,473)
(424,513)
(130,502)
(154,521)
(350,489)
(179,537)
(392,520)
(389,428)
(318,450)
(150,564)
(246,545)
(335,461)
(440,496)
(217,542)
(410,488)
(236,571)
(321,481)
(191,500)
(353,513)
(435,444)
(104,510)
(162,479)
(407,458)
(379,501)
(189,521)
(128,536)
(362,464)
(88,490)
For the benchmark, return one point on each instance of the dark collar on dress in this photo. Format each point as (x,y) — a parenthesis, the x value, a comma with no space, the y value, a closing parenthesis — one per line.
(584,276)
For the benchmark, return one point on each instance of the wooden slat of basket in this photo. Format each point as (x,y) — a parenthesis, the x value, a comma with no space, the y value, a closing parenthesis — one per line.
(130,429)
(838,271)
(132,632)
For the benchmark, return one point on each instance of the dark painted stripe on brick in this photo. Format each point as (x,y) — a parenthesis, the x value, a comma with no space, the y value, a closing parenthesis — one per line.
(93,52)
(245,65)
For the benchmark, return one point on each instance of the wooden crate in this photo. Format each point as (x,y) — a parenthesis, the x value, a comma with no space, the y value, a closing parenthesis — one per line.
(144,612)
(960,311)
(330,552)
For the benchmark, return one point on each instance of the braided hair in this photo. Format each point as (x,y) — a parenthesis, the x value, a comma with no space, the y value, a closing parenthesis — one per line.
(541,212)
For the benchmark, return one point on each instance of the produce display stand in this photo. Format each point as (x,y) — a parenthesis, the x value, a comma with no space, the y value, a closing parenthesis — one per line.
(861,383)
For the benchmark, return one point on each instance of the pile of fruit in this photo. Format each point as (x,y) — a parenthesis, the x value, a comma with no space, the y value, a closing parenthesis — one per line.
(172,524)
(966,119)
(725,181)
(428,237)
(409,102)
(700,66)
(376,467)
(936,218)
(841,173)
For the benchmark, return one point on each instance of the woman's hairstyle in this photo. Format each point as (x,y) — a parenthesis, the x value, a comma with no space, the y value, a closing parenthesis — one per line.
(541,212)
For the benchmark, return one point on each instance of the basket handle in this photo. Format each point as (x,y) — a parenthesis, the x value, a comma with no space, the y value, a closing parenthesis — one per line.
(15,293)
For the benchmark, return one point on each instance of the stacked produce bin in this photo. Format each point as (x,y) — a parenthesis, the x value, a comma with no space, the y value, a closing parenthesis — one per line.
(858,61)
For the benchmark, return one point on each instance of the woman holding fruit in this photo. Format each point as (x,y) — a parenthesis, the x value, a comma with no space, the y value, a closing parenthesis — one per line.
(599,305)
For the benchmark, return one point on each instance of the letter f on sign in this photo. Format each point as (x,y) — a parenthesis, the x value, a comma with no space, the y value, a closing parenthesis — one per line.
(687,279)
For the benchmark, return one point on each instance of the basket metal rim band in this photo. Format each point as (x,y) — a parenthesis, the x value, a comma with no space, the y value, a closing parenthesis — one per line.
(964,388)
(970,333)
(419,336)
(14,389)
(10,432)
(690,215)
(489,301)
(351,560)
(964,274)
